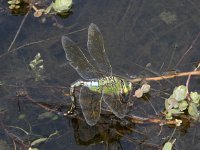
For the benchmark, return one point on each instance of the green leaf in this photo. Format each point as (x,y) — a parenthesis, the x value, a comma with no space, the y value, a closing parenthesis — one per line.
(193,111)
(182,105)
(167,146)
(37,56)
(171,103)
(180,93)
(195,97)
(175,111)
(169,116)
(61,6)
(38,141)
(33,148)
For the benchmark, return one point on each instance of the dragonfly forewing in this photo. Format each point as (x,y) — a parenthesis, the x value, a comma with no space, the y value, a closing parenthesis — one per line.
(90,103)
(96,49)
(78,60)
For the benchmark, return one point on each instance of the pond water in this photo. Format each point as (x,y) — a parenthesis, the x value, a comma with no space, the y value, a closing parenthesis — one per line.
(136,34)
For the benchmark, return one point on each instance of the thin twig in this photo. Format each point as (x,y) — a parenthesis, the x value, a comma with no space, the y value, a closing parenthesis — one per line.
(189,77)
(18,31)
(181,74)
(191,46)
(37,42)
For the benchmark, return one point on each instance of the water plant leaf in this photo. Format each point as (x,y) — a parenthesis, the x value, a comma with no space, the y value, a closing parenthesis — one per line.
(195,97)
(38,141)
(193,111)
(33,148)
(169,116)
(167,146)
(171,103)
(61,6)
(180,93)
(182,105)
(175,111)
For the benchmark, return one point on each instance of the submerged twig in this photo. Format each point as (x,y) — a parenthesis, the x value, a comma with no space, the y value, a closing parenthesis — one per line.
(37,42)
(191,46)
(142,120)
(18,31)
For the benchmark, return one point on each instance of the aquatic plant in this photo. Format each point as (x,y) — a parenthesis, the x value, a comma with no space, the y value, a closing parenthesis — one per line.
(61,6)
(181,101)
(36,65)
(14,4)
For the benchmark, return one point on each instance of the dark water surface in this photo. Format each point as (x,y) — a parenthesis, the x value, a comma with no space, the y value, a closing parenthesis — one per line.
(136,32)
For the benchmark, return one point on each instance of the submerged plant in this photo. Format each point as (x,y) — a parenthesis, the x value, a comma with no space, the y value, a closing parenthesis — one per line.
(37,67)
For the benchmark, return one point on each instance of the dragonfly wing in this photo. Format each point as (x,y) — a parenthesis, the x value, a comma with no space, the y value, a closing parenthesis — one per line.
(78,60)
(117,104)
(96,49)
(90,103)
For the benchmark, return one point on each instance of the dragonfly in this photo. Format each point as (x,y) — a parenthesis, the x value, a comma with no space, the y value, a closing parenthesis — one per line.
(98,85)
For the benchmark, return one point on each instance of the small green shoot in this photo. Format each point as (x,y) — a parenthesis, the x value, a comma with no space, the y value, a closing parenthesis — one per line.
(36,142)
(168,145)
(37,67)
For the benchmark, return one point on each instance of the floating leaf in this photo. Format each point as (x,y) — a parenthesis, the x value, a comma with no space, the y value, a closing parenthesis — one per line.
(182,105)
(61,6)
(11,2)
(195,97)
(169,116)
(180,93)
(167,146)
(175,111)
(171,103)
(193,111)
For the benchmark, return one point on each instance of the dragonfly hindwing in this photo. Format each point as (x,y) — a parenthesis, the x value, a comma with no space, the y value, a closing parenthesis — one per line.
(90,103)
